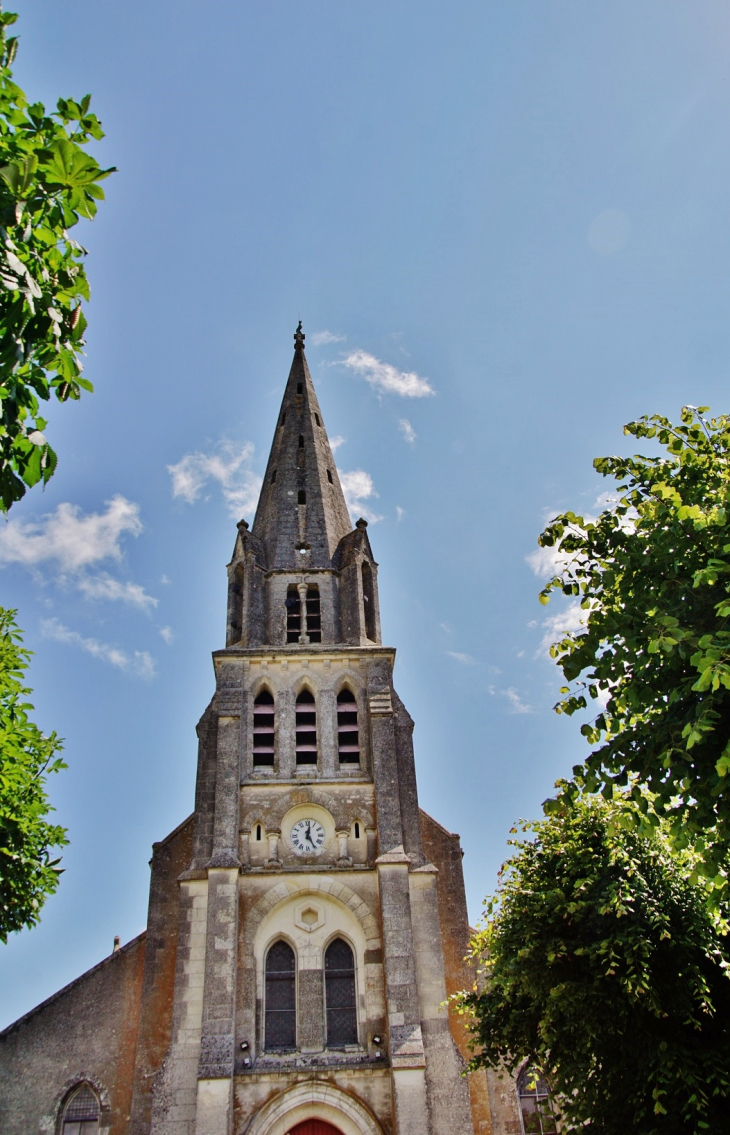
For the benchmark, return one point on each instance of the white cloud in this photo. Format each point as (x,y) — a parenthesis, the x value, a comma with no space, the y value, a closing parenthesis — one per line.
(399,513)
(407,430)
(547,562)
(336,442)
(74,541)
(167,634)
(104,586)
(229,465)
(572,618)
(386,378)
(358,487)
(515,703)
(323,338)
(464,659)
(141,663)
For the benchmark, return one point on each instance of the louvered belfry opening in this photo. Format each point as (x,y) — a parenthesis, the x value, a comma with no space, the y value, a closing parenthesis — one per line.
(81,1114)
(348,737)
(293,614)
(339,978)
(281,1003)
(263,729)
(306,732)
(314,618)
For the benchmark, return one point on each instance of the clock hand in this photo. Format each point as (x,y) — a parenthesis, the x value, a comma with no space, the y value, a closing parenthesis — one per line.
(309,833)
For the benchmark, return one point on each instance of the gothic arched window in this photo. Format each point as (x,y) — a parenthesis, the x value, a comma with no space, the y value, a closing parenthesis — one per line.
(348,738)
(81,1113)
(263,729)
(314,619)
(306,734)
(535,1110)
(368,598)
(281,998)
(339,981)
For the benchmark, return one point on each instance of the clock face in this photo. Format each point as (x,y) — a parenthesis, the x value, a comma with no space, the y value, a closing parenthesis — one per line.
(307,836)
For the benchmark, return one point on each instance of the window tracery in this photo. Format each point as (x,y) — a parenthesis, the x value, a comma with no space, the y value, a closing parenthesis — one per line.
(280,1007)
(535,1110)
(339,978)
(81,1113)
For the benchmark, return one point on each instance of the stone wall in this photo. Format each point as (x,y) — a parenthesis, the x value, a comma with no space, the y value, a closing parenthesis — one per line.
(87,1031)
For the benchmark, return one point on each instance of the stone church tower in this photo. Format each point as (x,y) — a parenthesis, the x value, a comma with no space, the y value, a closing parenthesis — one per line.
(308,921)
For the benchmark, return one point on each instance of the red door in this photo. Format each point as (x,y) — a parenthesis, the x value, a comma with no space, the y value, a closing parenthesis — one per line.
(314,1127)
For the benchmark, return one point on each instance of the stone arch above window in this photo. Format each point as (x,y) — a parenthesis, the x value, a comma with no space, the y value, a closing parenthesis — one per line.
(536,1112)
(81,1112)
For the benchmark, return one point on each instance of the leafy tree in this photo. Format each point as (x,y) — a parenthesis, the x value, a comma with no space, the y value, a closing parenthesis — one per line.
(28,874)
(47,182)
(652,574)
(602,965)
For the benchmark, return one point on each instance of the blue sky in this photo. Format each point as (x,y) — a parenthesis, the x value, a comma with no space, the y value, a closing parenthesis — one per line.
(524,205)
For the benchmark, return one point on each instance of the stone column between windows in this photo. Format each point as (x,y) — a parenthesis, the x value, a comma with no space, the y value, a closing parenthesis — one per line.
(303,636)
(310,1001)
(286,734)
(327,733)
(407,1059)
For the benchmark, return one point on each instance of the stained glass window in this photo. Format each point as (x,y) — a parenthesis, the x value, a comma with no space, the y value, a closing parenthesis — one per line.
(281,1007)
(339,978)
(81,1114)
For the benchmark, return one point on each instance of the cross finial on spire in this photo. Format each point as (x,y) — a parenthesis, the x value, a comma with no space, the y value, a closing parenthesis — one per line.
(299,336)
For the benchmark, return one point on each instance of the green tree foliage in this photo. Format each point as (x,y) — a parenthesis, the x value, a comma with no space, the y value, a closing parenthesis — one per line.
(28,874)
(601,964)
(652,574)
(47,182)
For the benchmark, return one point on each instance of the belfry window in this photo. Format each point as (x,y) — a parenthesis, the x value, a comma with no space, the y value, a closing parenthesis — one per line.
(81,1113)
(263,730)
(339,981)
(293,614)
(316,418)
(348,737)
(368,598)
(299,388)
(314,617)
(306,731)
(535,1110)
(281,1004)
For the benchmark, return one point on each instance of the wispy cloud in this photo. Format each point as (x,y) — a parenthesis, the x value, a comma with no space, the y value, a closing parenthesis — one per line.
(336,442)
(167,634)
(464,659)
(399,513)
(407,430)
(567,621)
(141,664)
(71,541)
(324,338)
(228,466)
(513,699)
(358,488)
(386,378)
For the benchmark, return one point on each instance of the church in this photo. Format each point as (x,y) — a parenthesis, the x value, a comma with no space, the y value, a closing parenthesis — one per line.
(307,923)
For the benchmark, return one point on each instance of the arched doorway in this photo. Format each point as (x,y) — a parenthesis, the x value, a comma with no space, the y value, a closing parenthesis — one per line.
(314,1127)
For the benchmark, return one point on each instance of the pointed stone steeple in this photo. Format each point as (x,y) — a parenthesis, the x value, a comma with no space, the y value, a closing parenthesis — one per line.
(301,515)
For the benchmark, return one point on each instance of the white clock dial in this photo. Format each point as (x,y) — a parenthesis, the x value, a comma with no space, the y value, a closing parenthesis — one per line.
(307,836)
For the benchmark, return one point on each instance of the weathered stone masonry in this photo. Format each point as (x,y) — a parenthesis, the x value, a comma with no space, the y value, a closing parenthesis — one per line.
(191,1029)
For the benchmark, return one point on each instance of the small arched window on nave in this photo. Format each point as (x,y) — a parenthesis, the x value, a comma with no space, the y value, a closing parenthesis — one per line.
(348,737)
(281,998)
(264,730)
(339,982)
(535,1110)
(81,1113)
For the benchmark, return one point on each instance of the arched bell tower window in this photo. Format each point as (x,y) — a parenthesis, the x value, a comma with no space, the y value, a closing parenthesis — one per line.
(293,614)
(368,598)
(348,737)
(81,1113)
(281,1003)
(535,1110)
(263,729)
(306,734)
(339,981)
(314,618)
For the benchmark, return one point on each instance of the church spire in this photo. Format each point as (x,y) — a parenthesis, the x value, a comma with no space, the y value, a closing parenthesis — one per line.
(301,515)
